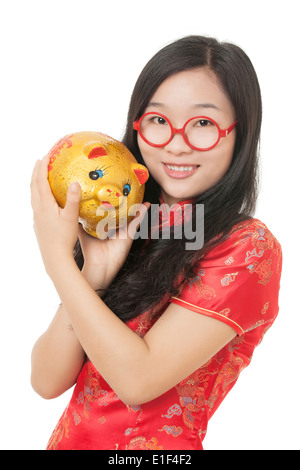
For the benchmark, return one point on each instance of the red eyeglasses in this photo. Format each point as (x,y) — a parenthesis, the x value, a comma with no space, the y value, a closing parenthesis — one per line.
(200,132)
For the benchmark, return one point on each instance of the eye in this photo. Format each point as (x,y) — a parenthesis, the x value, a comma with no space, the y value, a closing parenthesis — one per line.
(94,175)
(203,123)
(126,189)
(159,120)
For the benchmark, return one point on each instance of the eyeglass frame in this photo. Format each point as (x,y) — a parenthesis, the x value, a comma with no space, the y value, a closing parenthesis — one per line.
(222,132)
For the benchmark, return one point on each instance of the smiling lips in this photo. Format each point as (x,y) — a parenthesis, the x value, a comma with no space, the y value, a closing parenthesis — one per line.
(182,171)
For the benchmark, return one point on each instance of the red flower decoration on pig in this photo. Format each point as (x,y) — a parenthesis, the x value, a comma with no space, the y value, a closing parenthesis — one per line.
(111,180)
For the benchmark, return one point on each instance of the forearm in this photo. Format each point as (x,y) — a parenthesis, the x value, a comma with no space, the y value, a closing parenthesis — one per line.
(57,357)
(116,351)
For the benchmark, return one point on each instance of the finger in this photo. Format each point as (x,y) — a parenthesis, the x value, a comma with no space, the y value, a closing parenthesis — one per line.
(44,182)
(34,183)
(35,173)
(71,209)
(46,159)
(39,182)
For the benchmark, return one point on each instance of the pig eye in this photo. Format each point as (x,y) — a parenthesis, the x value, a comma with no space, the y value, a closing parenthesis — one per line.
(126,189)
(94,175)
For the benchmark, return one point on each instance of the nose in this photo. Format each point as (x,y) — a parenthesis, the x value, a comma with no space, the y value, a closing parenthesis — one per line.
(109,194)
(178,145)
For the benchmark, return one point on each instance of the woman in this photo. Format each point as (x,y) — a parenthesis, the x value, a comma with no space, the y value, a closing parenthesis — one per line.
(155,335)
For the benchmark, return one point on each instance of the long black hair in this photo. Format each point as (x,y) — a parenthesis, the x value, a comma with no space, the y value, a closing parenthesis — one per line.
(152,270)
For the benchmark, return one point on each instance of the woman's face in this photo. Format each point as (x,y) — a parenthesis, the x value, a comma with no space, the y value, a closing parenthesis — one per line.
(182,172)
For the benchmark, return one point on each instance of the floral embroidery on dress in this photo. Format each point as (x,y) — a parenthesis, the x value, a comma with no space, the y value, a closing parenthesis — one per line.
(191,393)
(228,278)
(61,431)
(92,391)
(264,271)
(173,410)
(175,431)
(141,443)
(227,375)
(205,291)
(265,308)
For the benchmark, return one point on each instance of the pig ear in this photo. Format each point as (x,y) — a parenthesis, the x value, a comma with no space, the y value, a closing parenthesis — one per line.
(94,150)
(141,173)
(97,152)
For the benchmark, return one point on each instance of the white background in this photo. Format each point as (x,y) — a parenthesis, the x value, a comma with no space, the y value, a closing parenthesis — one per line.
(70,65)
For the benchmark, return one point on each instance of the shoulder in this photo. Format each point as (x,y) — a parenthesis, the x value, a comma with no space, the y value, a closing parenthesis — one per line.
(238,280)
(255,232)
(250,239)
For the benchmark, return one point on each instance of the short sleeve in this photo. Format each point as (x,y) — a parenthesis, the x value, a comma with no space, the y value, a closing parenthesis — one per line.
(238,281)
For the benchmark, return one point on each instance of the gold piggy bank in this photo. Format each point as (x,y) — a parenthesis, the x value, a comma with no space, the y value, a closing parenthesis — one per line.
(111,180)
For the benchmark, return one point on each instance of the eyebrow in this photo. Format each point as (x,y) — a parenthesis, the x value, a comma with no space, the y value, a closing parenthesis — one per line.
(206,105)
(155,104)
(195,106)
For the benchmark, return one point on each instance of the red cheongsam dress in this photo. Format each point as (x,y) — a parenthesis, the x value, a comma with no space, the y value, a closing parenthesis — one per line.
(237,283)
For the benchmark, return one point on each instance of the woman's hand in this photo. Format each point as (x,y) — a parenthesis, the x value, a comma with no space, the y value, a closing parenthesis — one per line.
(104,258)
(57,230)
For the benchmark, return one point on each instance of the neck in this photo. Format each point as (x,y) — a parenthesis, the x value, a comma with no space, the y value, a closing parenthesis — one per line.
(170,201)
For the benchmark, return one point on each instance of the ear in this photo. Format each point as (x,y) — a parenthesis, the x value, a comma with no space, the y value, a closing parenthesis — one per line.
(94,150)
(141,173)
(97,152)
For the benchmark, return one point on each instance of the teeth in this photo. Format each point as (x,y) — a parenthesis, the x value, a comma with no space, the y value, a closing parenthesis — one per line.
(180,168)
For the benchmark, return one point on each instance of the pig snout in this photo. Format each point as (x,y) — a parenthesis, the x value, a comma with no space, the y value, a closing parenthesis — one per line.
(109,196)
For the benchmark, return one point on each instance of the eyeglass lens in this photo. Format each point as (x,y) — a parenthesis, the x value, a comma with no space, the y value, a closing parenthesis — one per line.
(200,132)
